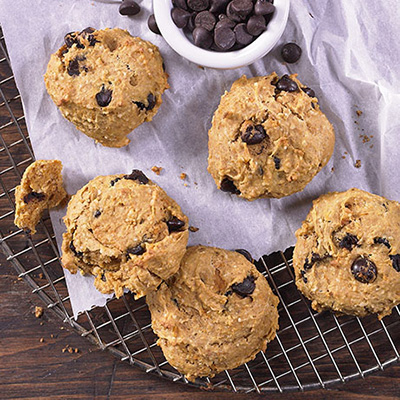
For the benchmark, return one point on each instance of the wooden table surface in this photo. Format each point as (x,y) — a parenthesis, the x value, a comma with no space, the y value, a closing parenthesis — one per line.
(34,366)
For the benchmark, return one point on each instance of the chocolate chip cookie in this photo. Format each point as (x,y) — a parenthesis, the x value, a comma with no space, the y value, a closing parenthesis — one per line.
(216,313)
(347,256)
(106,82)
(268,138)
(41,188)
(126,231)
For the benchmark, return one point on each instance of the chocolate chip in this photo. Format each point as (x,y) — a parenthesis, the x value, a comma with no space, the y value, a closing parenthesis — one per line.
(190,24)
(206,20)
(70,39)
(308,264)
(308,92)
(129,7)
(242,8)
(103,277)
(175,224)
(277,162)
(198,5)
(263,7)
(364,270)
(137,175)
(286,84)
(396,262)
(180,4)
(256,25)
(202,37)
(152,24)
(104,97)
(348,242)
(175,301)
(245,288)
(151,101)
(303,275)
(254,134)
(218,6)
(246,254)
(180,17)
(381,240)
(314,259)
(97,213)
(34,196)
(224,38)
(291,52)
(73,249)
(87,34)
(241,34)
(136,251)
(224,22)
(228,186)
(230,12)
(73,68)
(114,181)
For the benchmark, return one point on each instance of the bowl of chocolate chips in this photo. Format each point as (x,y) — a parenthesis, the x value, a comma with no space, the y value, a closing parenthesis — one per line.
(222,34)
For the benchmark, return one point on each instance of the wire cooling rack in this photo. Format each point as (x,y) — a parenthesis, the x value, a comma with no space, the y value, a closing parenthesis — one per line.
(311,350)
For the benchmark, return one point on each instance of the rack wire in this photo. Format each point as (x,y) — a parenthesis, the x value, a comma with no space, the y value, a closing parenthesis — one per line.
(311,350)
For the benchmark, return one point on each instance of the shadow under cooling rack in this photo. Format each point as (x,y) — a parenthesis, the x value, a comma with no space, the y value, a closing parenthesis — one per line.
(311,350)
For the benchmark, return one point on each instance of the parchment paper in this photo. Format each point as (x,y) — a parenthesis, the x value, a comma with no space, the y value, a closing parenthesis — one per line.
(351,58)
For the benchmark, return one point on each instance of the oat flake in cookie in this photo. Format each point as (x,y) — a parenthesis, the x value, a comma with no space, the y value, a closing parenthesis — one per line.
(126,231)
(41,188)
(347,256)
(216,313)
(268,138)
(106,82)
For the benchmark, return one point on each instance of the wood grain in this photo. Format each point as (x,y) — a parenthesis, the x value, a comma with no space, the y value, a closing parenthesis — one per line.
(30,369)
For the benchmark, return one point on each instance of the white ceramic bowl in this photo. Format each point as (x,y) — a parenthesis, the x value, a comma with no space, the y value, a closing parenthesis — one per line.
(176,38)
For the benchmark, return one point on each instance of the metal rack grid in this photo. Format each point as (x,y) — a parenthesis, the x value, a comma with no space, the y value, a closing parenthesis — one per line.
(311,350)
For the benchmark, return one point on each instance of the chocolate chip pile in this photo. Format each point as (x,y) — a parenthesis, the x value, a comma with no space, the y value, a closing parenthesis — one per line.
(222,25)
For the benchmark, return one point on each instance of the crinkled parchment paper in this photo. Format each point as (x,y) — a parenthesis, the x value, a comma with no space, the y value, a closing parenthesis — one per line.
(351,58)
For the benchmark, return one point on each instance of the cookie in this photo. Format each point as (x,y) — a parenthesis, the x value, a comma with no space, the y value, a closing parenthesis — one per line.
(347,256)
(216,313)
(106,83)
(268,138)
(41,188)
(126,231)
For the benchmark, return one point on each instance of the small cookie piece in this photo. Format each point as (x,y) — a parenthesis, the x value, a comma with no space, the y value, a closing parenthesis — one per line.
(41,187)
(216,313)
(268,138)
(347,256)
(106,82)
(126,231)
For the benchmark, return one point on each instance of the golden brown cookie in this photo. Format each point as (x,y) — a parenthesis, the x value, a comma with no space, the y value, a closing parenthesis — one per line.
(216,313)
(347,256)
(126,231)
(268,138)
(106,82)
(41,188)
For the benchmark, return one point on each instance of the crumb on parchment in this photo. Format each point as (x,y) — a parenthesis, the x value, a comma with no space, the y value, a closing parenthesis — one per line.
(193,229)
(157,170)
(38,311)
(183,176)
(358,164)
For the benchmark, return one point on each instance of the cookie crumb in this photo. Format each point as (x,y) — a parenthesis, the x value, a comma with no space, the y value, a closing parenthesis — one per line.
(41,276)
(38,311)
(201,67)
(185,184)
(359,113)
(365,138)
(41,340)
(358,164)
(333,169)
(42,323)
(183,176)
(193,229)
(157,170)
(76,350)
(344,157)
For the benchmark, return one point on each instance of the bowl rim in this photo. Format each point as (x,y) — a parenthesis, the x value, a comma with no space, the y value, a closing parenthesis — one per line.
(177,39)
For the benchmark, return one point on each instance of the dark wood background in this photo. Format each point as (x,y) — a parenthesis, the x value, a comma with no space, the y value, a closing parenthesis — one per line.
(35,369)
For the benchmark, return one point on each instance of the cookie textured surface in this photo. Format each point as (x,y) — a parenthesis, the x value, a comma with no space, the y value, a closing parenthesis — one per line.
(216,313)
(41,188)
(347,256)
(268,138)
(106,82)
(126,231)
